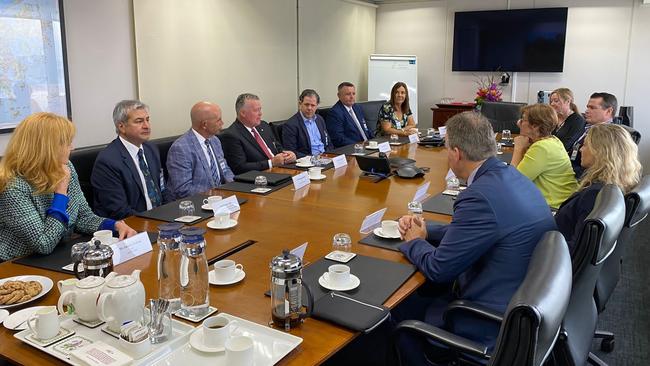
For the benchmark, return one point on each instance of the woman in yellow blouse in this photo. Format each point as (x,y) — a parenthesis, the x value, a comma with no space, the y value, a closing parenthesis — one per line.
(541,156)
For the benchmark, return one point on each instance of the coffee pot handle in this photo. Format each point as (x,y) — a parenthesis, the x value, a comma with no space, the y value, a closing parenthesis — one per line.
(101,303)
(75,269)
(310,300)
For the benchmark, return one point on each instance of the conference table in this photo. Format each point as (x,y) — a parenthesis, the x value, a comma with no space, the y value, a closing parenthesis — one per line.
(268,224)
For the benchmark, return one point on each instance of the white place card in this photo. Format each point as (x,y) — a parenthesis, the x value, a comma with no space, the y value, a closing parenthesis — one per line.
(300,180)
(372,221)
(442,130)
(421,193)
(130,248)
(300,250)
(230,204)
(450,174)
(413,138)
(339,161)
(384,147)
(261,190)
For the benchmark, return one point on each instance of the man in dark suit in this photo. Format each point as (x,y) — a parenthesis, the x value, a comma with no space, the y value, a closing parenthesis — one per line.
(496,224)
(249,143)
(345,121)
(195,161)
(127,176)
(305,132)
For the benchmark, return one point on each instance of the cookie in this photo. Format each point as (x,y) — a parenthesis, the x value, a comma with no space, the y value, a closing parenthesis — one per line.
(33,288)
(15,297)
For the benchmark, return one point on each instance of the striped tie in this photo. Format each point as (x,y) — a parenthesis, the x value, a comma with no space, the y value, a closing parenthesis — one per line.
(152,190)
(214,167)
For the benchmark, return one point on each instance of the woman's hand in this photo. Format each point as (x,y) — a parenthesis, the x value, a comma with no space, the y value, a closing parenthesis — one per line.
(522,143)
(124,231)
(62,186)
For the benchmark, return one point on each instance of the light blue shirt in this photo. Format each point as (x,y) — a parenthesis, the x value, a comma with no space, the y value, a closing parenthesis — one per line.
(317,146)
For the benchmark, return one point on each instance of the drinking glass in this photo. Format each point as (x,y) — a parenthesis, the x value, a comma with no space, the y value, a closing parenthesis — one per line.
(506,135)
(453,184)
(394,139)
(261,181)
(431,132)
(415,209)
(186,208)
(358,148)
(316,160)
(499,148)
(342,242)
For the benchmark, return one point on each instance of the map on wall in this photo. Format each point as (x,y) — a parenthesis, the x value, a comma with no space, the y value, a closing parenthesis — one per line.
(32,75)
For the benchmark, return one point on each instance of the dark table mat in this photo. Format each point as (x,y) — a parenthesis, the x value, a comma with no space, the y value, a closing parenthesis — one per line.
(247,187)
(509,143)
(169,211)
(403,140)
(349,150)
(273,179)
(379,278)
(505,157)
(390,244)
(440,203)
(295,167)
(60,257)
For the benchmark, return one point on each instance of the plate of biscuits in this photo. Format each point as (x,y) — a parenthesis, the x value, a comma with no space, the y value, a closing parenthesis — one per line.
(19,290)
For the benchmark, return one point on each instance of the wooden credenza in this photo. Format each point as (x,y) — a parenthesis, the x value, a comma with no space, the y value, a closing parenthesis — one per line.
(442,112)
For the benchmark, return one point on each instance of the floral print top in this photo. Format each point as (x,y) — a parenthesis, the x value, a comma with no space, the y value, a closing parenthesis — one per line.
(387,113)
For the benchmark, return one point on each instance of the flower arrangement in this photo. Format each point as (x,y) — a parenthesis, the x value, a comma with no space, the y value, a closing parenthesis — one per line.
(488,89)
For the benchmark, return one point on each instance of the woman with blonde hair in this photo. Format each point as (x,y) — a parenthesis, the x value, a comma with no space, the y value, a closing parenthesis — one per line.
(609,156)
(541,156)
(570,125)
(40,197)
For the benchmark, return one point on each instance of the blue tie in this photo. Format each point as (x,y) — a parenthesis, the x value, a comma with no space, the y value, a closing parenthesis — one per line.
(152,191)
(214,167)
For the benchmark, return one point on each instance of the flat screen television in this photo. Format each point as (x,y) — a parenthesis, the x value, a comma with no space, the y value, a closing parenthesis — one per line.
(530,40)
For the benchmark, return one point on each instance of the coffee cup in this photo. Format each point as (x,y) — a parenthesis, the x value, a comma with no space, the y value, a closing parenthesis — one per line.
(104,236)
(315,172)
(338,275)
(212,199)
(372,144)
(44,323)
(390,228)
(226,270)
(221,217)
(240,351)
(216,330)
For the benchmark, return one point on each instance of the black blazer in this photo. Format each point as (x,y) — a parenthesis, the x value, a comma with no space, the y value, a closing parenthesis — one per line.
(571,131)
(118,191)
(296,137)
(242,152)
(572,213)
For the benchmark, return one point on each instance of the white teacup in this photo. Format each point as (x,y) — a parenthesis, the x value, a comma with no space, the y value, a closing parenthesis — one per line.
(212,199)
(240,351)
(338,275)
(104,236)
(44,323)
(390,228)
(216,330)
(226,270)
(221,217)
(372,144)
(315,172)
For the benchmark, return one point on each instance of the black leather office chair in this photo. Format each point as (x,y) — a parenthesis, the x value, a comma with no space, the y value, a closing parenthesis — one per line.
(637,206)
(595,244)
(502,115)
(276,127)
(532,320)
(83,160)
(636,135)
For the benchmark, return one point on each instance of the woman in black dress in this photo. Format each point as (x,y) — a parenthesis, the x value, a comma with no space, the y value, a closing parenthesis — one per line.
(571,124)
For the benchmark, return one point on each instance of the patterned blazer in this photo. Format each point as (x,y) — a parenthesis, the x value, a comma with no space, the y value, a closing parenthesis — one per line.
(189,171)
(24,226)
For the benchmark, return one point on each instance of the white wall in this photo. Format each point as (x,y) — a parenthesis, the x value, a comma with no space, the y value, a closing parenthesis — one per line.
(606,47)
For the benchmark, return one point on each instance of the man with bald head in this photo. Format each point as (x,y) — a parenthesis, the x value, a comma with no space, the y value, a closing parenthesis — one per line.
(195,161)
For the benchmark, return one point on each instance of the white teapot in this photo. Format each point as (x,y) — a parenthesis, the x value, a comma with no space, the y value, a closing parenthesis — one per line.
(83,297)
(121,299)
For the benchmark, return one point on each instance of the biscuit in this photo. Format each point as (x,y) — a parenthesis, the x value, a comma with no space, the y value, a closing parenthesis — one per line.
(33,288)
(16,296)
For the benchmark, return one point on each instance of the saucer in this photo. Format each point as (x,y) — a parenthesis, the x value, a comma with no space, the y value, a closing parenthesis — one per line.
(238,277)
(351,285)
(213,225)
(371,148)
(380,233)
(18,320)
(3,314)
(304,165)
(207,207)
(320,177)
(196,341)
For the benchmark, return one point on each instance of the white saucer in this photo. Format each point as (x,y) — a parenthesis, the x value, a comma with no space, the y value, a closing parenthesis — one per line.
(207,207)
(352,284)
(320,177)
(213,225)
(3,314)
(196,341)
(18,320)
(304,165)
(380,233)
(372,148)
(238,277)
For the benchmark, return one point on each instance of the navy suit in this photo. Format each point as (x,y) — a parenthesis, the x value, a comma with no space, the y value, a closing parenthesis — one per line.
(572,213)
(242,152)
(342,128)
(496,224)
(189,171)
(296,137)
(118,191)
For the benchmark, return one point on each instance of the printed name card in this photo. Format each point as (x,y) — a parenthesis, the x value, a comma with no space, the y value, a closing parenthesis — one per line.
(130,248)
(413,138)
(229,205)
(442,130)
(339,161)
(300,180)
(372,221)
(421,193)
(300,251)
(384,147)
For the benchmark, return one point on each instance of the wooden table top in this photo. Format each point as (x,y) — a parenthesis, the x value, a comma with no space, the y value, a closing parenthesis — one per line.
(281,220)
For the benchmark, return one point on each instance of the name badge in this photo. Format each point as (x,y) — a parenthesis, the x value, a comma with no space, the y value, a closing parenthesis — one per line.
(574,154)
(384,147)
(300,180)
(339,161)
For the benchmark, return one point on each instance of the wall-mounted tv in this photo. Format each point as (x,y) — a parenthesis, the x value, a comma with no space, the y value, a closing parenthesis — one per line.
(529,40)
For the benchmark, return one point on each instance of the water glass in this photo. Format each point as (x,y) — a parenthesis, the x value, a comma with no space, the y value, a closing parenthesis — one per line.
(394,139)
(431,132)
(499,148)
(342,242)
(453,184)
(415,209)
(316,160)
(186,208)
(506,135)
(358,148)
(261,181)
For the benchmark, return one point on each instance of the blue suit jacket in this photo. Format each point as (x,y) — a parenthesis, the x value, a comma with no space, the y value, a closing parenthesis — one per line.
(572,213)
(496,224)
(189,171)
(342,128)
(118,191)
(295,136)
